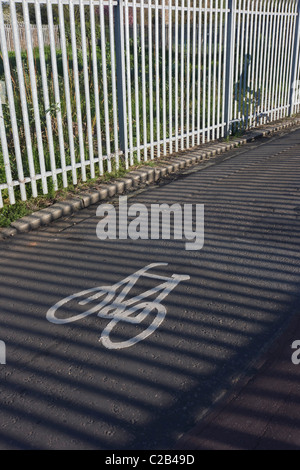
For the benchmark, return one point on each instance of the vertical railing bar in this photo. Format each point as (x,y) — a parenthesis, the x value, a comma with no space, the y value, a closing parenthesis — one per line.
(23,97)
(237,63)
(11,102)
(270,96)
(284,63)
(266,54)
(96,86)
(199,73)
(267,103)
(115,104)
(224,126)
(188,73)
(229,64)
(209,100)
(86,87)
(194,72)
(295,59)
(143,77)
(164,104)
(284,111)
(241,63)
(219,75)
(257,34)
(298,64)
(170,45)
(157,77)
(46,93)
(128,70)
(34,94)
(67,89)
(261,60)
(253,62)
(57,94)
(204,73)
(105,84)
(136,82)
(120,60)
(293,36)
(150,57)
(182,85)
(254,78)
(214,72)
(274,61)
(176,77)
(250,53)
(278,58)
(6,159)
(246,66)
(265,6)
(77,90)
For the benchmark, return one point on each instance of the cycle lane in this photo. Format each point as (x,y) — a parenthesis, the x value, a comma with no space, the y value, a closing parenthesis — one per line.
(61,388)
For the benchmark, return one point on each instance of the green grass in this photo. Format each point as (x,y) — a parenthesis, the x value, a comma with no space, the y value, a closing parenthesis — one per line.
(11,213)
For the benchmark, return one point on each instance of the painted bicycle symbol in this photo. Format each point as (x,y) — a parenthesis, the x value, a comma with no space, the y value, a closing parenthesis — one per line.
(112,302)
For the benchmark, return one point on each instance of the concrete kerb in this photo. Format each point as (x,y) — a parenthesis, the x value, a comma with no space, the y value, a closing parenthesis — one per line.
(128,183)
(144,175)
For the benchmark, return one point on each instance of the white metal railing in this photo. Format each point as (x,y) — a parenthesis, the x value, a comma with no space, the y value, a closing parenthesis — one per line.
(93,85)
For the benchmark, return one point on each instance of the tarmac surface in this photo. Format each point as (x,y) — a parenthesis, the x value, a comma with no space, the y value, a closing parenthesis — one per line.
(263,413)
(65,388)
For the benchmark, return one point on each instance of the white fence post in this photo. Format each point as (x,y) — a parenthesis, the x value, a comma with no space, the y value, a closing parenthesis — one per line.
(229,65)
(294,88)
(121,79)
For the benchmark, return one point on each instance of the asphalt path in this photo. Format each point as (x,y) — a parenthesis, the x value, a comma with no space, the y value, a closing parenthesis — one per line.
(63,388)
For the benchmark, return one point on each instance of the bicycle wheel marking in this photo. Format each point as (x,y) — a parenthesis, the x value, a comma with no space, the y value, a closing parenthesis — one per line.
(114,305)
